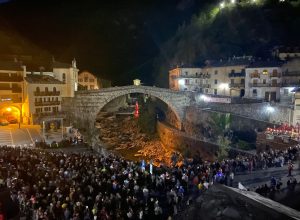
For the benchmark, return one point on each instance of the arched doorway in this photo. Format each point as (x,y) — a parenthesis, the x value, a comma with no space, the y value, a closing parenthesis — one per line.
(11,114)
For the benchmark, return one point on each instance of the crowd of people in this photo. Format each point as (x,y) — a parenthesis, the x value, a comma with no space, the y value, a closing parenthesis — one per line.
(56,185)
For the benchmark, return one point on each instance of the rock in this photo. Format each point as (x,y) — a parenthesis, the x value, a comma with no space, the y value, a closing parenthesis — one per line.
(231,212)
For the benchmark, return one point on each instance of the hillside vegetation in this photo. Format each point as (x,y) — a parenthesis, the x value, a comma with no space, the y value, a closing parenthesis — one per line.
(238,29)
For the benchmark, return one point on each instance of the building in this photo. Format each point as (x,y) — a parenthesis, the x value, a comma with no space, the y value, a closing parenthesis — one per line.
(263,80)
(286,53)
(34,97)
(187,79)
(11,90)
(88,80)
(227,77)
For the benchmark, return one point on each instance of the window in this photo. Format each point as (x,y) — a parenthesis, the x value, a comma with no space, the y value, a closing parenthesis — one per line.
(46,89)
(37,89)
(196,74)
(91,86)
(196,81)
(38,110)
(285,91)
(274,82)
(56,98)
(232,71)
(47,109)
(92,80)
(216,81)
(54,89)
(231,81)
(215,92)
(64,77)
(254,92)
(186,73)
(255,82)
(86,79)
(216,72)
(187,82)
(265,72)
(55,109)
(36,100)
(243,81)
(48,99)
(264,81)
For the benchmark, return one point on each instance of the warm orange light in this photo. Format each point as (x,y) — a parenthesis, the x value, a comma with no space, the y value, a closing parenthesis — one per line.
(8,109)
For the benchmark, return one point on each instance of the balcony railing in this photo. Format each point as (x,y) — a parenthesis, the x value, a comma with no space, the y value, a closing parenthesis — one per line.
(47,103)
(242,74)
(236,85)
(56,93)
(205,85)
(7,78)
(264,84)
(50,114)
(275,75)
(254,75)
(291,73)
(16,89)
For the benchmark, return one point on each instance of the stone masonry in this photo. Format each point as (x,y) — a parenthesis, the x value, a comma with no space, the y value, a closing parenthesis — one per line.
(87,104)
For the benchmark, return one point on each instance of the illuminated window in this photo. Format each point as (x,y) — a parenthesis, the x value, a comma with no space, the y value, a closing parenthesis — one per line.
(265,72)
(187,82)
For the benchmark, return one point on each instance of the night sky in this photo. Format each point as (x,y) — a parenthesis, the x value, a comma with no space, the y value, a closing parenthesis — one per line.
(116,40)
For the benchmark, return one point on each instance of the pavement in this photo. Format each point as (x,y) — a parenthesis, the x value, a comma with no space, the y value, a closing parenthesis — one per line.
(260,177)
(26,135)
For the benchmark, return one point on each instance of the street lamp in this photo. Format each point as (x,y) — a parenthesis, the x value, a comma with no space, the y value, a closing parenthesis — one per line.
(270,110)
(222,5)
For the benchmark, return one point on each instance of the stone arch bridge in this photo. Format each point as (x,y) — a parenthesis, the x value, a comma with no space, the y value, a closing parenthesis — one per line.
(85,106)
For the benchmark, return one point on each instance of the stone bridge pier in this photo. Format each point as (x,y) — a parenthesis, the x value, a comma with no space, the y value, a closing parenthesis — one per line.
(85,106)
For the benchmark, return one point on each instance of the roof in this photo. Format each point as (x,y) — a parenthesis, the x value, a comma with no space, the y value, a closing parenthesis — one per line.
(42,79)
(266,63)
(10,65)
(56,64)
(235,61)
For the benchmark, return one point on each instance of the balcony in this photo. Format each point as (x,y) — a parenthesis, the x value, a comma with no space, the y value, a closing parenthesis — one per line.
(290,84)
(264,84)
(242,74)
(205,86)
(50,114)
(7,78)
(16,89)
(254,75)
(236,85)
(47,103)
(54,93)
(275,75)
(291,73)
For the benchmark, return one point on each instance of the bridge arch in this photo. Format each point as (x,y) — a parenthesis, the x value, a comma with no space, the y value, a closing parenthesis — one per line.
(87,104)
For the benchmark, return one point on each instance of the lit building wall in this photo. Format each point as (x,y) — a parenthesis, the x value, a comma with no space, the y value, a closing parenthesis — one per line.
(88,80)
(185,79)
(263,82)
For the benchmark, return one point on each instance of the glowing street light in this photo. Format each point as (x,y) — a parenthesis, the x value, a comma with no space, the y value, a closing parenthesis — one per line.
(270,109)
(181,82)
(8,109)
(222,5)
(232,1)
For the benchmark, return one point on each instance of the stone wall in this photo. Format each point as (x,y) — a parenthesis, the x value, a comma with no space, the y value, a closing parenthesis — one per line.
(258,111)
(180,141)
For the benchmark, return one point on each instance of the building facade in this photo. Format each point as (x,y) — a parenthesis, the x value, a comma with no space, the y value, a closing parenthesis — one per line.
(88,80)
(34,97)
(187,79)
(263,80)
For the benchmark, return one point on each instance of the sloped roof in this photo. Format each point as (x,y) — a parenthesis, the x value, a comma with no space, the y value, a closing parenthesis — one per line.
(42,79)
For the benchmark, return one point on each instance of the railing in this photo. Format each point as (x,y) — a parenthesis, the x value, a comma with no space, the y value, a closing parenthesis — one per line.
(242,74)
(275,75)
(16,89)
(53,114)
(47,103)
(291,73)
(205,85)
(254,75)
(236,85)
(264,84)
(57,93)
